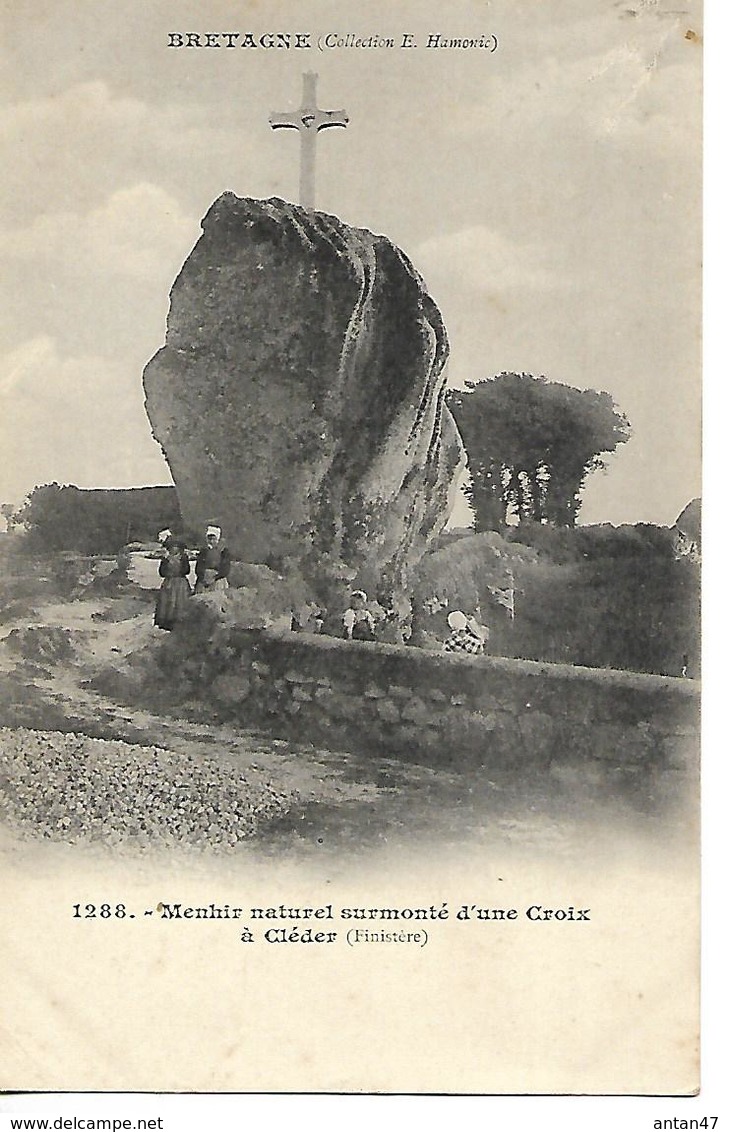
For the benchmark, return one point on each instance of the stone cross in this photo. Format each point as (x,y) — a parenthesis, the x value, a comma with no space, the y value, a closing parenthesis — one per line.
(308,120)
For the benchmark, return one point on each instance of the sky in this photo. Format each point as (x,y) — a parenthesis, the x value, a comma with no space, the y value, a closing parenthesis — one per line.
(549,192)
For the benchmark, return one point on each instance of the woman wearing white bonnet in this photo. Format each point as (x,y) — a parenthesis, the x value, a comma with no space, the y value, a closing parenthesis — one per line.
(174,592)
(359,624)
(464,636)
(213,562)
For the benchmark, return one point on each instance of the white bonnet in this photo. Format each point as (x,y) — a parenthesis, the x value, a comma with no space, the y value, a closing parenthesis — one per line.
(457,619)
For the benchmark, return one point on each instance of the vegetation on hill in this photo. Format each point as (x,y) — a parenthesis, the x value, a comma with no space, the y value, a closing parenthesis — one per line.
(600,596)
(96,521)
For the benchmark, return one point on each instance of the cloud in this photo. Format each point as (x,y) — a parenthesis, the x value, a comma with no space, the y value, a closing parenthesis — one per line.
(483,259)
(75,420)
(84,106)
(641,80)
(135,232)
(70,151)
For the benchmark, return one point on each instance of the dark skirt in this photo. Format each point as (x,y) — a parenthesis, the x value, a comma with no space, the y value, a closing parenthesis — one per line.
(172,600)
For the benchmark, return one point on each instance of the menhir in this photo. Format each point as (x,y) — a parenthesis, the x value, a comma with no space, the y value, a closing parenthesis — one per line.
(299,397)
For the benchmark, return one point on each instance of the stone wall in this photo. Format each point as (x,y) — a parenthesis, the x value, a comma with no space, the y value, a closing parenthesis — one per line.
(450,709)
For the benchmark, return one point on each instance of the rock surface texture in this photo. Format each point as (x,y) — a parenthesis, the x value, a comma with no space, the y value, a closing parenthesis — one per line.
(299,398)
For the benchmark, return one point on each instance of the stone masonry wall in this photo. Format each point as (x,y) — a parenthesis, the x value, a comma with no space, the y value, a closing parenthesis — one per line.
(450,709)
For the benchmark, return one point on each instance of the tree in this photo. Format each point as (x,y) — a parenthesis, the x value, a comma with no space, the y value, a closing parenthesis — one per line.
(531,444)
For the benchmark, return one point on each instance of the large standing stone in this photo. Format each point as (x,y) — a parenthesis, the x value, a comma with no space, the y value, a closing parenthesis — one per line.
(299,398)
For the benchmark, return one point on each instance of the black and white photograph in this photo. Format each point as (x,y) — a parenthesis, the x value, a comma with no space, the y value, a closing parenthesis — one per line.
(351,547)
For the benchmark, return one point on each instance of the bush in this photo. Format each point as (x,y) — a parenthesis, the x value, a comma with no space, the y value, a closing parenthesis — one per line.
(599,541)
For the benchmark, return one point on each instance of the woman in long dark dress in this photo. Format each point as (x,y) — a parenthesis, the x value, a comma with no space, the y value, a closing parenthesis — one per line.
(175,589)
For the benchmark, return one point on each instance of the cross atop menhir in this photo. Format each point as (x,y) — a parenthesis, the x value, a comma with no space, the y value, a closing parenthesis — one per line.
(308,120)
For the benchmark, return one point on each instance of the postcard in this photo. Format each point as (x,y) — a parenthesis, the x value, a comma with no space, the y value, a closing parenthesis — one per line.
(349,731)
